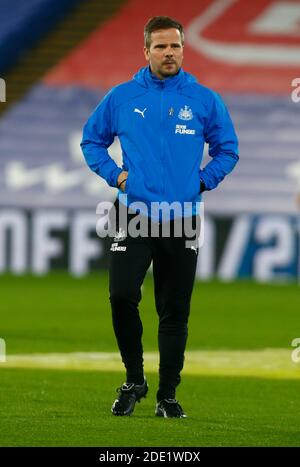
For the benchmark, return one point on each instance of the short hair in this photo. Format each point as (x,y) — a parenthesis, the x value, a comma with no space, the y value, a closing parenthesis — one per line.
(161,22)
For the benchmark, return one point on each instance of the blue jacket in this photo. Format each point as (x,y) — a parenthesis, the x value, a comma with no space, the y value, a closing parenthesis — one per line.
(162,126)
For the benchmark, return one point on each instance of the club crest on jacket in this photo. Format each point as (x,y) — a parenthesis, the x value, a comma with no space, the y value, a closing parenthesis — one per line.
(186,113)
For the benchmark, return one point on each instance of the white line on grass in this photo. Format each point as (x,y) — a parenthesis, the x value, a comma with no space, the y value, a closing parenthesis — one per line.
(265,363)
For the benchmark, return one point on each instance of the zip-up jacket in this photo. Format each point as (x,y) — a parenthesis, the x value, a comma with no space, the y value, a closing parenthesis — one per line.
(162,126)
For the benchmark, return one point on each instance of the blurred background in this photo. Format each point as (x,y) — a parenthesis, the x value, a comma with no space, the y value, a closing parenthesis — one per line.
(57,60)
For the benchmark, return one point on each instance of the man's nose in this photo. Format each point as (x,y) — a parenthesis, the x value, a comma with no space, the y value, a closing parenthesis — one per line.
(169,52)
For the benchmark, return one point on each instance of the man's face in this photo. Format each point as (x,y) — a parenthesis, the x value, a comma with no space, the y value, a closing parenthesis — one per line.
(165,54)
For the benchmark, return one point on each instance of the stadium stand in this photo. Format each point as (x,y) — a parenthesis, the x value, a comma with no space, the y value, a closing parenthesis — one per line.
(246,51)
(37,133)
(61,33)
(23,24)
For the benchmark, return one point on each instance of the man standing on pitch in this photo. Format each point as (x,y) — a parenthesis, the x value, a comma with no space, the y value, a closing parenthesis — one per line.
(162,117)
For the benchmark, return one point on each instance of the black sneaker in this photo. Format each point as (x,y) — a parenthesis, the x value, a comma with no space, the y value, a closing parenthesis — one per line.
(129,394)
(169,408)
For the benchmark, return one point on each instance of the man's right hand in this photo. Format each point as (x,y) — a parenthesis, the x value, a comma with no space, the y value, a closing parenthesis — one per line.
(123,176)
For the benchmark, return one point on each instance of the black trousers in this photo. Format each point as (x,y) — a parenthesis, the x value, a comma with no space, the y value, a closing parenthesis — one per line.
(174,267)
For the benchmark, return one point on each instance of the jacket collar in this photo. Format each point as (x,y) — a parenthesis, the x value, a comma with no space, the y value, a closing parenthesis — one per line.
(147,79)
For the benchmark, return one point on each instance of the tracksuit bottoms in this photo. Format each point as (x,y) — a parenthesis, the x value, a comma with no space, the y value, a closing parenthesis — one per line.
(174,267)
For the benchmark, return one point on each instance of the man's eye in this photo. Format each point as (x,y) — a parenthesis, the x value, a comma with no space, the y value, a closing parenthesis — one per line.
(174,46)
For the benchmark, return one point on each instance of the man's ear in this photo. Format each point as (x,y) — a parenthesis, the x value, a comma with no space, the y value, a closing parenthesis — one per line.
(146,53)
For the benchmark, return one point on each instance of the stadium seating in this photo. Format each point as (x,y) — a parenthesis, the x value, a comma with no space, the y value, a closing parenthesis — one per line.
(41,164)
(22,24)
(37,130)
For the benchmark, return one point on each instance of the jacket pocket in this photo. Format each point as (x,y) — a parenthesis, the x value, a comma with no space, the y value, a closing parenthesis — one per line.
(134,185)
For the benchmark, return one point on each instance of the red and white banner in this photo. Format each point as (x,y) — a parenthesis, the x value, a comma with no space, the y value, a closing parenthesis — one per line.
(231,45)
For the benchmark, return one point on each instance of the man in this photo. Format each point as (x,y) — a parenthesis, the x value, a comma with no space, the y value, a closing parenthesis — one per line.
(162,117)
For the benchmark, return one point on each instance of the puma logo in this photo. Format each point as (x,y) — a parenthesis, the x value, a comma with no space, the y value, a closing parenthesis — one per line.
(140,111)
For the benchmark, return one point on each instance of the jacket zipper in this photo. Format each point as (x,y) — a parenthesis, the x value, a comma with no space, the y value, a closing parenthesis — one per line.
(162,140)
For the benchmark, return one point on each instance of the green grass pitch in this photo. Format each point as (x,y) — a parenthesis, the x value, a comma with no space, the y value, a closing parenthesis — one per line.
(58,314)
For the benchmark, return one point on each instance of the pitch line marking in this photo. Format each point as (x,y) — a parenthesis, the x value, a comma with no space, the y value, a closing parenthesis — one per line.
(265,363)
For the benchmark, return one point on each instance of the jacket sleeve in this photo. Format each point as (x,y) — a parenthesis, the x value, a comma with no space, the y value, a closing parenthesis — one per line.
(223,144)
(98,135)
